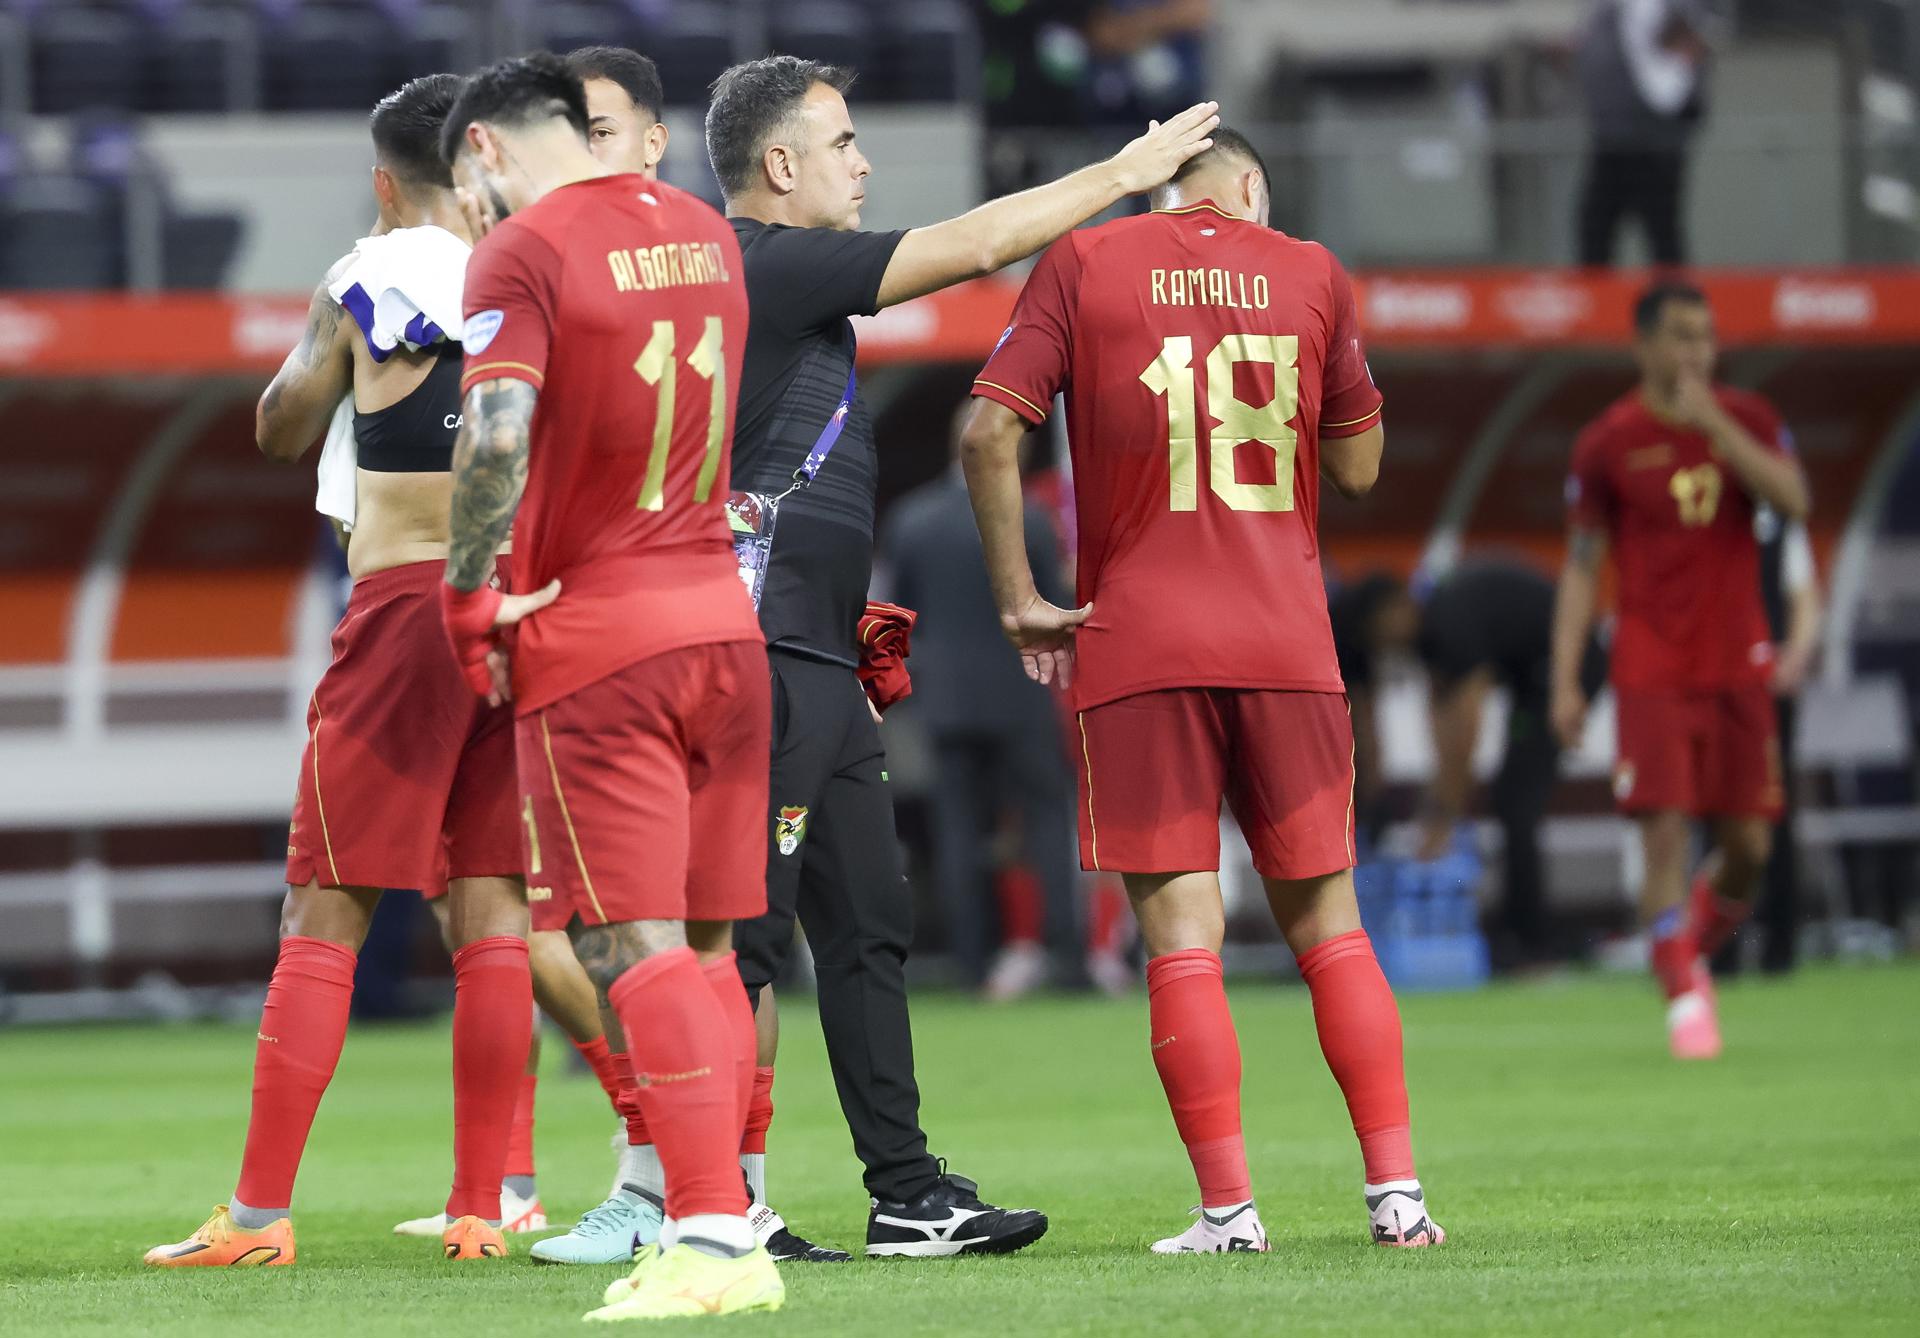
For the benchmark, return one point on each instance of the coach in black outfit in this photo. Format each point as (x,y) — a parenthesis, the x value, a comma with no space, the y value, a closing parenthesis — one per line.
(782,145)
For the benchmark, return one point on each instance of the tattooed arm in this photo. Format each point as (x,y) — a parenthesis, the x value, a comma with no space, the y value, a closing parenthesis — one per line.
(489,474)
(310,384)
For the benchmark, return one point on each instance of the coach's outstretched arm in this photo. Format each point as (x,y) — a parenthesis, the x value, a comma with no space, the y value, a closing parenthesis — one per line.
(1573,607)
(1013,227)
(317,375)
(990,458)
(489,475)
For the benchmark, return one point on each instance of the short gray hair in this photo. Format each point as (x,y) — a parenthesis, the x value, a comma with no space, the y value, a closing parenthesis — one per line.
(751,103)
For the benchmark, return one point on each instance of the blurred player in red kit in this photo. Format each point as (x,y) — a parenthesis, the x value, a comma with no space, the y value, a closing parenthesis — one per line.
(606,317)
(406,781)
(1668,478)
(1213,372)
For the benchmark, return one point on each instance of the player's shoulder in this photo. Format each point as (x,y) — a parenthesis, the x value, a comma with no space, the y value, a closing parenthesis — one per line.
(1620,421)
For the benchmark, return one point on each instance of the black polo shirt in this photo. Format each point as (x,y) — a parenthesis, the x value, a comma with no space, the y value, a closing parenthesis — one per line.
(802,284)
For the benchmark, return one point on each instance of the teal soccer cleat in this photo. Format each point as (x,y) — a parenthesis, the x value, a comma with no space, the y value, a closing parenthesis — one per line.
(609,1234)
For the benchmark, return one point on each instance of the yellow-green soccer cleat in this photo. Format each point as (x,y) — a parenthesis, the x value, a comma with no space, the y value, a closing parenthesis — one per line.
(621,1288)
(683,1282)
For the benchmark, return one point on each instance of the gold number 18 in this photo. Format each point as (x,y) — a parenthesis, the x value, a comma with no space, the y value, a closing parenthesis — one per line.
(1170,374)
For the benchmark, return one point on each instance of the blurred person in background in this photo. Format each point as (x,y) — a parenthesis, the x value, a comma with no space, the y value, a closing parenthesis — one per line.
(1669,478)
(407,780)
(1486,624)
(996,735)
(1790,588)
(1643,72)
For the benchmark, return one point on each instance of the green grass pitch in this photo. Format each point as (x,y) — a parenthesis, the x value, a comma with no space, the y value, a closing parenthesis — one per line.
(1591,1186)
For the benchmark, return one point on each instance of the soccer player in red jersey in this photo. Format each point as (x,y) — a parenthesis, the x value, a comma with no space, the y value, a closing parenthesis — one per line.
(406,780)
(606,317)
(624,99)
(1668,478)
(1214,373)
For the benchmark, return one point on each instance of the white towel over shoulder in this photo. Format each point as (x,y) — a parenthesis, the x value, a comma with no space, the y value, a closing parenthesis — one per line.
(402,289)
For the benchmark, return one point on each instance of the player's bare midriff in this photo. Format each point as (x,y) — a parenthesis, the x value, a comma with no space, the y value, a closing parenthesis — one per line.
(398,518)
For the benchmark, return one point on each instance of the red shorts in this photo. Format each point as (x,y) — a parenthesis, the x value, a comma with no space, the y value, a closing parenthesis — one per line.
(1155,767)
(407,778)
(1709,754)
(645,793)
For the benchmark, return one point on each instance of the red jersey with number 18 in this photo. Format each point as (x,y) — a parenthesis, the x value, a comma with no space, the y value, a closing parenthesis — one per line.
(1203,357)
(622,300)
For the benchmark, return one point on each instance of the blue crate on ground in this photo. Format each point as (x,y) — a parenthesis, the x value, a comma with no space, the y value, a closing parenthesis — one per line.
(1424,920)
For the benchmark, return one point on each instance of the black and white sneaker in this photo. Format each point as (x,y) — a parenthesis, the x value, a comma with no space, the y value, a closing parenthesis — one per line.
(785,1247)
(950,1219)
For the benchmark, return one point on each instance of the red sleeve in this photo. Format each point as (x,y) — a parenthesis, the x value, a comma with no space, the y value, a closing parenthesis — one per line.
(1349,401)
(511,294)
(1590,499)
(1762,420)
(1031,363)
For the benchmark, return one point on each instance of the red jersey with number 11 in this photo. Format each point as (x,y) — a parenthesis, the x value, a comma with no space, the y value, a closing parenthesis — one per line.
(622,300)
(1202,357)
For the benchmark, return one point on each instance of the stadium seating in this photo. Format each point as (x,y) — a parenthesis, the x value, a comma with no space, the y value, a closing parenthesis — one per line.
(929,51)
(326,55)
(60,232)
(66,225)
(835,31)
(87,57)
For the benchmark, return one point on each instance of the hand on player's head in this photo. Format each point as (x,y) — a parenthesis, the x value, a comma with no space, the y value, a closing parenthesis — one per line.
(1157,155)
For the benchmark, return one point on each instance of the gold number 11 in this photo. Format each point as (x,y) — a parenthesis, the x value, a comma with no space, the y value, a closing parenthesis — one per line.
(657,367)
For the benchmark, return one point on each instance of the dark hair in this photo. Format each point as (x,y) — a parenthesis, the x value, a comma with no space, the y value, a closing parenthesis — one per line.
(1652,303)
(516,93)
(636,73)
(1227,143)
(751,102)
(406,129)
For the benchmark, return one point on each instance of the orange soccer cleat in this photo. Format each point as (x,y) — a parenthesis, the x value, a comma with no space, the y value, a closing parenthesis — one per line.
(472,1238)
(219,1243)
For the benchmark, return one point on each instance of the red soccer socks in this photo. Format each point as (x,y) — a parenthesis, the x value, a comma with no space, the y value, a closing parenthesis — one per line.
(302,1029)
(759,1111)
(520,1139)
(492,1027)
(1198,1057)
(1359,1027)
(684,1050)
(1713,919)
(1673,953)
(606,1068)
(723,978)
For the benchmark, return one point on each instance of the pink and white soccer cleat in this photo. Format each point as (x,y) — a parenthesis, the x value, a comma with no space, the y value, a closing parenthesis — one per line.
(1398,1210)
(1228,1231)
(1693,1020)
